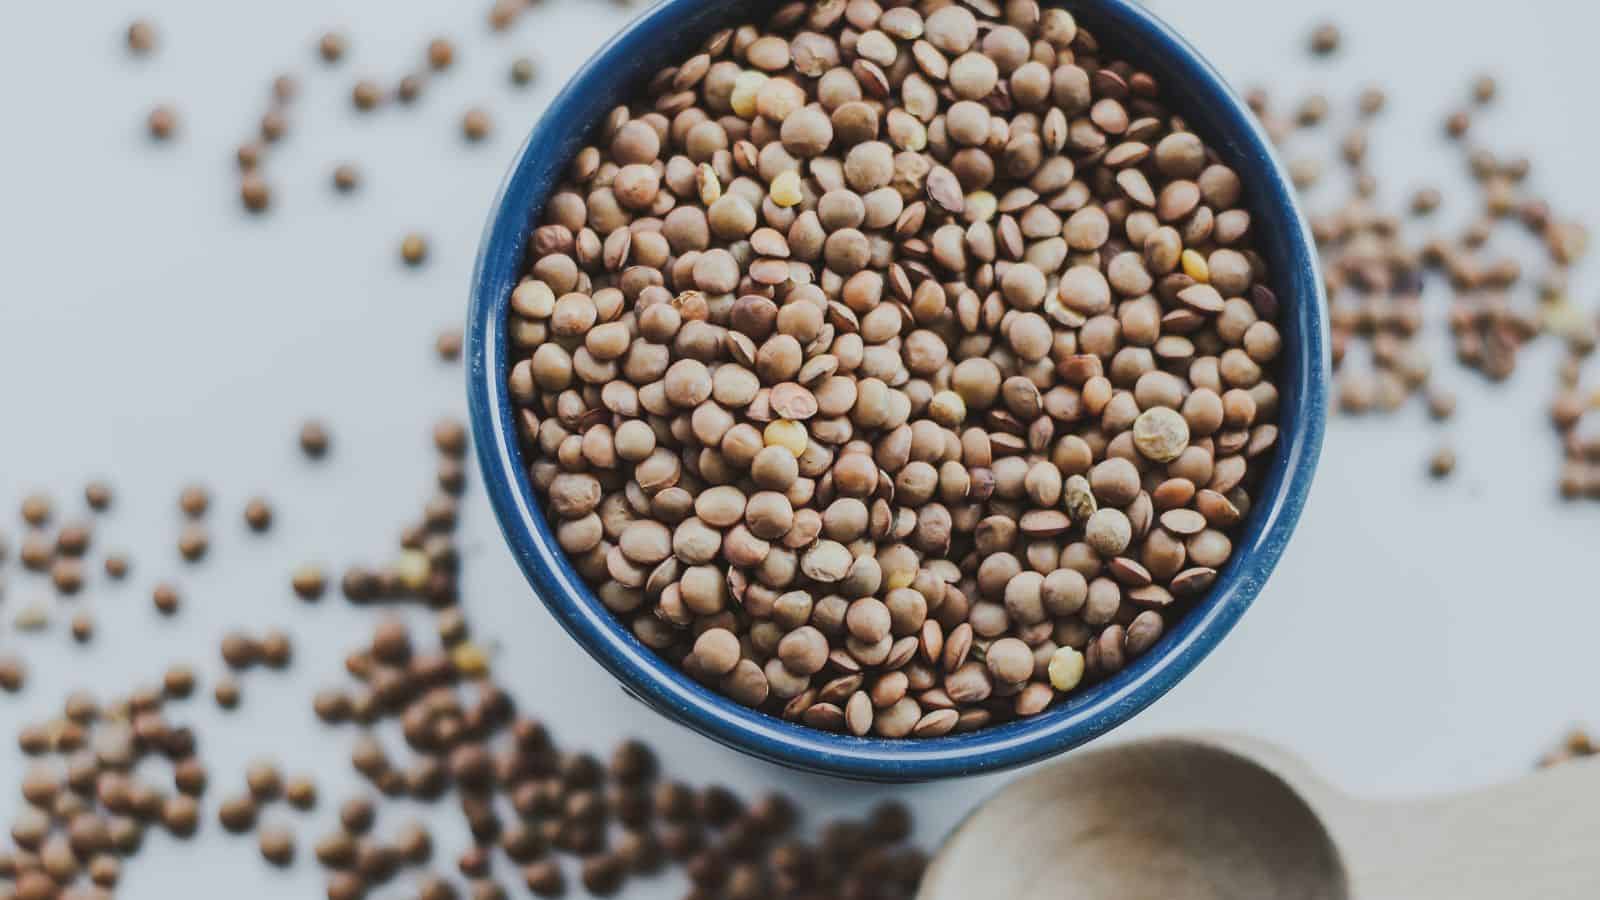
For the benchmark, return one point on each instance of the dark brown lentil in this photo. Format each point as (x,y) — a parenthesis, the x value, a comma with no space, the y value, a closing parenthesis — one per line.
(258,514)
(410,88)
(13,673)
(544,879)
(254,192)
(276,843)
(226,692)
(357,815)
(265,780)
(1325,39)
(314,439)
(237,814)
(331,47)
(277,649)
(522,71)
(180,814)
(193,542)
(301,792)
(162,122)
(67,575)
(1443,463)
(189,777)
(116,566)
(73,539)
(346,177)
(98,495)
(447,344)
(309,581)
(194,500)
(274,125)
(178,682)
(166,599)
(142,37)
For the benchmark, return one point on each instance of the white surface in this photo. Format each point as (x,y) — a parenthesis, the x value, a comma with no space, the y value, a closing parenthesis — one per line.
(1417,636)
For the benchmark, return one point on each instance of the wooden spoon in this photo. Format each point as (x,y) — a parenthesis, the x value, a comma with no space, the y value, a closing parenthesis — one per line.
(1215,817)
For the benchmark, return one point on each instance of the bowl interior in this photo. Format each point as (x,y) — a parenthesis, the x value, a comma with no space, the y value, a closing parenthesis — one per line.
(665,35)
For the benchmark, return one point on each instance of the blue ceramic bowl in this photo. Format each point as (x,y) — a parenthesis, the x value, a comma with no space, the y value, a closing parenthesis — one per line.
(666,34)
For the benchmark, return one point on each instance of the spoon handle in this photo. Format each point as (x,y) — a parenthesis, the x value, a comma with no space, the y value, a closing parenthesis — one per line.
(1538,838)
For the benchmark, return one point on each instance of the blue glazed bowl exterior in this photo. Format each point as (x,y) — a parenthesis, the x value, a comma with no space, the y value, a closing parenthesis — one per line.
(664,35)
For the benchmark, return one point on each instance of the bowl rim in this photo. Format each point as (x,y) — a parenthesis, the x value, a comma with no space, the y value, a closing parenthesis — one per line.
(664,687)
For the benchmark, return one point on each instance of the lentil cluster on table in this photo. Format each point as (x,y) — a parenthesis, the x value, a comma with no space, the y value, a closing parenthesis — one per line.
(1396,278)
(897,368)
(93,787)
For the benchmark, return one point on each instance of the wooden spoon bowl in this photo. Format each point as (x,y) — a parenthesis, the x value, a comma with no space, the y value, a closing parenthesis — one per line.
(1225,818)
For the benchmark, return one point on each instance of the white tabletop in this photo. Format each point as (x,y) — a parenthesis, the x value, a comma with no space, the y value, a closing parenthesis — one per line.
(1417,637)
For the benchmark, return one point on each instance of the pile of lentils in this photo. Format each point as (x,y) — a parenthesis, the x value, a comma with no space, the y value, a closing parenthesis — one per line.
(897,370)
(90,794)
(1385,263)
(620,817)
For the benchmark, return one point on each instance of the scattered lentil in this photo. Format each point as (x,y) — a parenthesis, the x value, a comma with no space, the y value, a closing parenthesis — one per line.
(1442,463)
(414,249)
(13,673)
(410,88)
(448,344)
(274,125)
(366,95)
(331,46)
(522,71)
(301,792)
(254,192)
(285,88)
(226,692)
(37,509)
(166,599)
(309,582)
(193,542)
(98,495)
(1325,39)
(476,124)
(441,53)
(162,122)
(314,439)
(346,177)
(142,37)
(194,500)
(258,514)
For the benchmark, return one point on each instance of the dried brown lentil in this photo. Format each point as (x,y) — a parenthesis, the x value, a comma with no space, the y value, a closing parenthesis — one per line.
(142,37)
(414,249)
